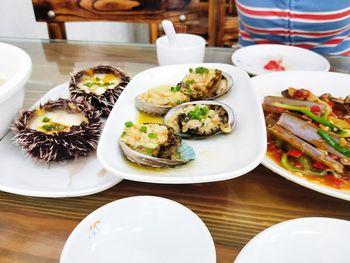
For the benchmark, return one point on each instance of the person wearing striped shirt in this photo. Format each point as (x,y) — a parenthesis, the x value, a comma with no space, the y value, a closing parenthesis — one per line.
(322,26)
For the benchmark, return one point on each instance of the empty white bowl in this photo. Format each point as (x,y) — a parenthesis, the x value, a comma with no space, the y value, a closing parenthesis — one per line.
(304,240)
(15,70)
(188,48)
(142,229)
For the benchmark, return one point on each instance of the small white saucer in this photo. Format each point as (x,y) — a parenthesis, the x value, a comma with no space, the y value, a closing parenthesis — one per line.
(303,240)
(141,229)
(253,58)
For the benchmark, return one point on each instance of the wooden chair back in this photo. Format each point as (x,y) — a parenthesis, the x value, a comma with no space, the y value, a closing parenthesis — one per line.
(56,12)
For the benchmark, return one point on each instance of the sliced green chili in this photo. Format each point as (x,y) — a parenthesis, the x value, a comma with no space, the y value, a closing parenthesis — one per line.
(325,136)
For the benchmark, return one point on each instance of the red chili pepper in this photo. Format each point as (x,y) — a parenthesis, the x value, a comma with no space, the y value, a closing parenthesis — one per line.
(301,94)
(315,109)
(331,103)
(319,165)
(279,109)
(334,157)
(295,153)
(298,165)
(274,65)
(330,179)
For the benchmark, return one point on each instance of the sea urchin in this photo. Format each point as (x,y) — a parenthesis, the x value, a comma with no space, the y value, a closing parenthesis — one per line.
(99,86)
(58,130)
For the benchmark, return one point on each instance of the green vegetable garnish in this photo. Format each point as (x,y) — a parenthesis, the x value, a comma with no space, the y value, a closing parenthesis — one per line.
(149,151)
(178,102)
(88,84)
(189,91)
(325,136)
(46,119)
(152,135)
(60,127)
(129,124)
(190,70)
(189,81)
(47,127)
(175,88)
(97,79)
(322,120)
(198,113)
(143,129)
(201,70)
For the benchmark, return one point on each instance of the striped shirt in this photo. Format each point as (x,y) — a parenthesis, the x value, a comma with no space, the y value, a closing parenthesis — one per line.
(322,26)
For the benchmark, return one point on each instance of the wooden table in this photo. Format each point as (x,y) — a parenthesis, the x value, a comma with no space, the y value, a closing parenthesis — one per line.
(35,229)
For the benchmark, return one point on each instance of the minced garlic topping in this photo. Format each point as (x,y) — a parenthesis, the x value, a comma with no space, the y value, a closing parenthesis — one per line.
(199,117)
(165,95)
(145,138)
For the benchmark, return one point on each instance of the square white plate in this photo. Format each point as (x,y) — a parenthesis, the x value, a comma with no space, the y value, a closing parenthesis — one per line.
(217,158)
(317,82)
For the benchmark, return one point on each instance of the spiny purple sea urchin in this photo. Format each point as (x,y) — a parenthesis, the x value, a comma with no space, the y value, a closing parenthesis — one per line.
(58,130)
(99,86)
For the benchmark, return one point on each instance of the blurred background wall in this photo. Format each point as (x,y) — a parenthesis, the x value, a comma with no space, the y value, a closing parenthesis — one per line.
(17,20)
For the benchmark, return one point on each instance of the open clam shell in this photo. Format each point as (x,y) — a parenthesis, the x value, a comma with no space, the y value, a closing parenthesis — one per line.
(185,151)
(226,114)
(222,87)
(151,108)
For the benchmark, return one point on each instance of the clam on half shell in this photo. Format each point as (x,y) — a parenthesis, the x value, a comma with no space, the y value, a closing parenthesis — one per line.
(177,117)
(184,150)
(223,86)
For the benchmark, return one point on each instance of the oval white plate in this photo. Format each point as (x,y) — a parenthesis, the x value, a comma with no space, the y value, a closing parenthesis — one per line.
(318,82)
(217,158)
(303,240)
(141,229)
(253,58)
(20,175)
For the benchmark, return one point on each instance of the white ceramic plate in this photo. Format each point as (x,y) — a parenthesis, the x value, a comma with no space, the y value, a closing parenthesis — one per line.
(318,82)
(142,229)
(304,240)
(253,58)
(217,158)
(20,175)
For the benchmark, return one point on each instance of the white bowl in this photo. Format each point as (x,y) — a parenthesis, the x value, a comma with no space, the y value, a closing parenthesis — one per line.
(142,229)
(188,48)
(303,240)
(15,69)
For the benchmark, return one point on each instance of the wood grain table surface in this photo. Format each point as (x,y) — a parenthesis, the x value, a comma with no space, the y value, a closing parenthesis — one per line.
(34,230)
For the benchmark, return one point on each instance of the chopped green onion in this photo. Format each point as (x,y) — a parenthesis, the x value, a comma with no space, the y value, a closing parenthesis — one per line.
(152,135)
(143,129)
(97,79)
(178,102)
(88,84)
(201,70)
(129,124)
(175,88)
(46,119)
(190,70)
(48,127)
(60,127)
(149,151)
